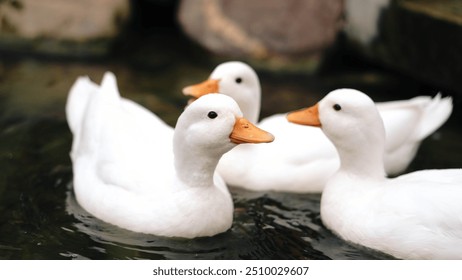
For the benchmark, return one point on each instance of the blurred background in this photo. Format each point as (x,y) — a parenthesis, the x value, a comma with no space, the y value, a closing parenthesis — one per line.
(351,42)
(301,50)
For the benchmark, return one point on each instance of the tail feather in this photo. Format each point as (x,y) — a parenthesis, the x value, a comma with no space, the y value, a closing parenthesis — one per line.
(77,101)
(109,87)
(435,115)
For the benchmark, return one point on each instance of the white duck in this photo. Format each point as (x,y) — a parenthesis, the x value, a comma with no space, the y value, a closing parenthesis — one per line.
(413,216)
(132,175)
(289,164)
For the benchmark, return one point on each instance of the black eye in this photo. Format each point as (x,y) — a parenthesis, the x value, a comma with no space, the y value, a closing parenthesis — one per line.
(337,107)
(212,114)
(238,80)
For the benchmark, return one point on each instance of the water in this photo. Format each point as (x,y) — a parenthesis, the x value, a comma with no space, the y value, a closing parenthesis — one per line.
(40,218)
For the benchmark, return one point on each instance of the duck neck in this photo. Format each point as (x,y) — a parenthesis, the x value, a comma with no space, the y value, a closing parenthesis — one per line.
(250,104)
(193,168)
(363,156)
(251,111)
(366,164)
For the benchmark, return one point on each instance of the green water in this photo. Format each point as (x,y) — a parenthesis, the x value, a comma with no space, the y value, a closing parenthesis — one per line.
(40,218)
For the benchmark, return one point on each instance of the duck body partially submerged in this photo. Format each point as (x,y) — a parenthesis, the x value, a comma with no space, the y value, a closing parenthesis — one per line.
(132,170)
(412,216)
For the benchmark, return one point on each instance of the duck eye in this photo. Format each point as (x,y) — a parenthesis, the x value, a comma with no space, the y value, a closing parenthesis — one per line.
(238,80)
(212,114)
(337,107)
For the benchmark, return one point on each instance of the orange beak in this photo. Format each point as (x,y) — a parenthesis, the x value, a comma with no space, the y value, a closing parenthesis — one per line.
(308,116)
(198,90)
(246,132)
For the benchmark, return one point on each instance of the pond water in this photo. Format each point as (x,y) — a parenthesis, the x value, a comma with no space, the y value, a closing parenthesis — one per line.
(40,218)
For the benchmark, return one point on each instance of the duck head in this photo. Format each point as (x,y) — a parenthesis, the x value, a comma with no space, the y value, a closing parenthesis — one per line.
(215,122)
(235,79)
(351,121)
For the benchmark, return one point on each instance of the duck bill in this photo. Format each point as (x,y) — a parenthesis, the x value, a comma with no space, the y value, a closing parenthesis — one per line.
(308,116)
(198,90)
(246,132)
